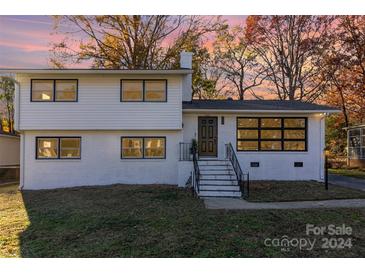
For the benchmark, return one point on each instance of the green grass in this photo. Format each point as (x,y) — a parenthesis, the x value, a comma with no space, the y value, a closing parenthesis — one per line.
(276,191)
(154,221)
(357,173)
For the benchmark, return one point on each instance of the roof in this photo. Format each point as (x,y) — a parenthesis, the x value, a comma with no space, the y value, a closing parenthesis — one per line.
(97,71)
(255,106)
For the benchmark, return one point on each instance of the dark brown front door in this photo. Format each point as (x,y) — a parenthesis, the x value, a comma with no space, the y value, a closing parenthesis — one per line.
(208,136)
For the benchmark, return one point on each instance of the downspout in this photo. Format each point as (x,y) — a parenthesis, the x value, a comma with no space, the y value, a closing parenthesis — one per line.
(17,128)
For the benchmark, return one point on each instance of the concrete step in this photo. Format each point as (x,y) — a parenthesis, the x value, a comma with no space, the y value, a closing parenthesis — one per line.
(217,172)
(213,162)
(219,187)
(233,194)
(218,167)
(217,177)
(219,182)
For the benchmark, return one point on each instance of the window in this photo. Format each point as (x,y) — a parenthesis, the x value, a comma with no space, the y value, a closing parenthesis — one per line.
(143,147)
(132,90)
(58,147)
(47,148)
(143,90)
(49,90)
(66,90)
(70,147)
(154,148)
(42,90)
(155,90)
(271,134)
(132,148)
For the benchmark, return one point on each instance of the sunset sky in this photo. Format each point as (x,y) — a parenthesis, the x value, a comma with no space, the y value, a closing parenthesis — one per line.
(25,40)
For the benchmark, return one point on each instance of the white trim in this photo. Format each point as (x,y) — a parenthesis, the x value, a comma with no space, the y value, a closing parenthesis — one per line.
(256,111)
(96,71)
(9,136)
(322,128)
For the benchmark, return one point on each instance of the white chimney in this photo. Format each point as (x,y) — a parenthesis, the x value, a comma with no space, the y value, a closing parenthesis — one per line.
(186,62)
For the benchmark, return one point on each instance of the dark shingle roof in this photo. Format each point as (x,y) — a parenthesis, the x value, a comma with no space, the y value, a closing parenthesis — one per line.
(275,105)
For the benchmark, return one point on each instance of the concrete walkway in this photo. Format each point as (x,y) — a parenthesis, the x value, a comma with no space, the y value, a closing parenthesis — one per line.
(232,203)
(347,181)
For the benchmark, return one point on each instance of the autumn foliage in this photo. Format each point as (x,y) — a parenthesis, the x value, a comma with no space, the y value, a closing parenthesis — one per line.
(309,58)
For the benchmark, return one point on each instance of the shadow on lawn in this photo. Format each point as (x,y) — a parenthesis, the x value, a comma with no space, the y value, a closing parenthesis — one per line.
(115,221)
(162,221)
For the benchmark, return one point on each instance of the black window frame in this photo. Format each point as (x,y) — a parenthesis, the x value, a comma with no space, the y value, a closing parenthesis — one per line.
(59,147)
(143,91)
(54,91)
(282,128)
(143,147)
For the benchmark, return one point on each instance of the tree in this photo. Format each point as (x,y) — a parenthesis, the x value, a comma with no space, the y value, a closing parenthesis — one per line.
(291,48)
(347,73)
(7,89)
(237,61)
(140,42)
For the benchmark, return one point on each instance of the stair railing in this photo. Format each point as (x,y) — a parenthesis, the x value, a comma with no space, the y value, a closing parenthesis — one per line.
(232,157)
(196,172)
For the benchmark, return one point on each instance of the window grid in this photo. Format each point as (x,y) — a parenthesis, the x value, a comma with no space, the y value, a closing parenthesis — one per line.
(282,128)
(143,147)
(58,147)
(54,91)
(143,91)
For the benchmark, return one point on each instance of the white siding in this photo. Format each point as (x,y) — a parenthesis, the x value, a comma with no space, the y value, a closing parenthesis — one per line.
(100,162)
(99,106)
(273,165)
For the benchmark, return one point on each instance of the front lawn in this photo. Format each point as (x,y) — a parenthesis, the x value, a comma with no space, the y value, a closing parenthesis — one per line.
(155,221)
(276,191)
(357,173)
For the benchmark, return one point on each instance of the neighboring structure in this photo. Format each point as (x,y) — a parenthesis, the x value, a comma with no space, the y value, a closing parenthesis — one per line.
(96,127)
(356,146)
(9,157)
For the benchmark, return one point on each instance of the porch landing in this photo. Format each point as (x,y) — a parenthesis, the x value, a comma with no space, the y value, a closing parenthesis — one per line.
(234,204)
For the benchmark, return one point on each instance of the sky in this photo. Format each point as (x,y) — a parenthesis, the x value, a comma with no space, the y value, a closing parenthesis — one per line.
(25,40)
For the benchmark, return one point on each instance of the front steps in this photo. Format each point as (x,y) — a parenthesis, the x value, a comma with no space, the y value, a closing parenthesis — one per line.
(218,179)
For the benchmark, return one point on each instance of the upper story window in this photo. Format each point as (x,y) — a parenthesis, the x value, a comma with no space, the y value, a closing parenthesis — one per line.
(271,134)
(143,90)
(50,90)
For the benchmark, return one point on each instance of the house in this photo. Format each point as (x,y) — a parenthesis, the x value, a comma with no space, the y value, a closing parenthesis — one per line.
(83,127)
(9,157)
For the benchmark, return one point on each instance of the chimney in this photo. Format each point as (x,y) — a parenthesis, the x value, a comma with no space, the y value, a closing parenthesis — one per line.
(186,62)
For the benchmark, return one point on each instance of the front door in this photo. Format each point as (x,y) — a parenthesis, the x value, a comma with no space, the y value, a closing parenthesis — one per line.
(208,136)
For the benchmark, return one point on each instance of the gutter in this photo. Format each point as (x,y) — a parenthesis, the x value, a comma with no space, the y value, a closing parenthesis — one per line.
(22,162)
(257,111)
(98,71)
(16,127)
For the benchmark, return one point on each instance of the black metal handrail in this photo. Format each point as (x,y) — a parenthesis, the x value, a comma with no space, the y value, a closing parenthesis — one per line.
(231,155)
(185,152)
(196,173)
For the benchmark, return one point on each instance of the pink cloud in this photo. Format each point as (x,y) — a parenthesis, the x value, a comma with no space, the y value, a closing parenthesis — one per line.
(26,47)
